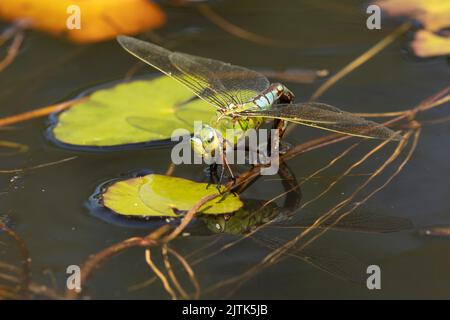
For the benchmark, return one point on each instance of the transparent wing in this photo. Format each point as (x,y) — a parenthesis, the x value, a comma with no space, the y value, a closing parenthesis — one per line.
(334,262)
(323,116)
(214,81)
(356,222)
(232,84)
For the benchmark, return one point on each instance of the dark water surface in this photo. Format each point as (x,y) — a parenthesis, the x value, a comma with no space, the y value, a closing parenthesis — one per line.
(47,207)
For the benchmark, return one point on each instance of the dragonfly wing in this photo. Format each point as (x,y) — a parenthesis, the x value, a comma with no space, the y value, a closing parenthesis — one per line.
(214,81)
(229,83)
(159,58)
(323,116)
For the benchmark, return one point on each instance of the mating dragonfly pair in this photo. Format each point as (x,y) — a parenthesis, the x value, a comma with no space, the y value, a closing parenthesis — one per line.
(246,98)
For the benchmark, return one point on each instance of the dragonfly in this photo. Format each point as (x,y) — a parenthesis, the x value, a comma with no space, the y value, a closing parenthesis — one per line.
(243,99)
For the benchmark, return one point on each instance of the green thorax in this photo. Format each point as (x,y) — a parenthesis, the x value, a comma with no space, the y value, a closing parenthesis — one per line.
(234,129)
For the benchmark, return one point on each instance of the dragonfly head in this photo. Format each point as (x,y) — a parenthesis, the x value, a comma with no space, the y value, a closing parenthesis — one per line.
(206,142)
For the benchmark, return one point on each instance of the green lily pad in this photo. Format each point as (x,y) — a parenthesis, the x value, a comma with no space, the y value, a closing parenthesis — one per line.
(164,196)
(110,115)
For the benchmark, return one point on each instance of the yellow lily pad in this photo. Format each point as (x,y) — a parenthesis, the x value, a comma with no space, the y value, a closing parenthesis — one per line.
(164,196)
(108,118)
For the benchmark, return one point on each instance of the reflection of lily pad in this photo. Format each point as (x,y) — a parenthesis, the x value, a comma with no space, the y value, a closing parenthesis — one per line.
(105,119)
(158,195)
(254,214)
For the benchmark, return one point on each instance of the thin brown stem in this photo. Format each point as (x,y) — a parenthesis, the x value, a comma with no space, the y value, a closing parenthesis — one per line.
(13,50)
(231,28)
(172,275)
(366,56)
(159,274)
(42,112)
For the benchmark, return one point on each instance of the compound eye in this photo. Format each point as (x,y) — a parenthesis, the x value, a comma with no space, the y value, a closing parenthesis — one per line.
(210,138)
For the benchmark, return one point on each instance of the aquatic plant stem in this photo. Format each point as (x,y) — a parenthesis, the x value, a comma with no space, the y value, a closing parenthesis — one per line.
(95,260)
(26,260)
(361,59)
(13,51)
(44,165)
(20,148)
(159,274)
(233,29)
(189,271)
(37,113)
(172,276)
(359,203)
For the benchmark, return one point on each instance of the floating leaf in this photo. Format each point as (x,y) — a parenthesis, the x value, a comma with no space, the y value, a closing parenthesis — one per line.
(109,117)
(100,19)
(433,14)
(159,195)
(427,44)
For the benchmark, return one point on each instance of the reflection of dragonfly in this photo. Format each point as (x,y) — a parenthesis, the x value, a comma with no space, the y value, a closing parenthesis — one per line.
(257,221)
(337,263)
(259,213)
(244,96)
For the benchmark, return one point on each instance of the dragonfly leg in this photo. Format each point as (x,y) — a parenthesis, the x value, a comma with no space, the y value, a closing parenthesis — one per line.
(279,125)
(222,172)
(286,96)
(211,171)
(219,183)
(226,164)
(284,147)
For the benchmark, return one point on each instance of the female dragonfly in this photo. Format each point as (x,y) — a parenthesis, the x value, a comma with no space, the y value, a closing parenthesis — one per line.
(245,96)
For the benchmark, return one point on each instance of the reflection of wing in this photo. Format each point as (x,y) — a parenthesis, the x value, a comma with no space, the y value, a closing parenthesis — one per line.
(214,81)
(326,117)
(356,222)
(337,263)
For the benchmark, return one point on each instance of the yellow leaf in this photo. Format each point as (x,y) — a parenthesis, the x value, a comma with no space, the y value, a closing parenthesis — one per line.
(433,14)
(100,19)
(428,44)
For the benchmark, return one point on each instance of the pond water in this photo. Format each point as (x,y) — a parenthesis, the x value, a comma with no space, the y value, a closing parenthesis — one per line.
(48,207)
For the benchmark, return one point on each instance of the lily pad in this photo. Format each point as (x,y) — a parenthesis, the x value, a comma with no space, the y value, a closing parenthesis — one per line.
(108,118)
(164,196)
